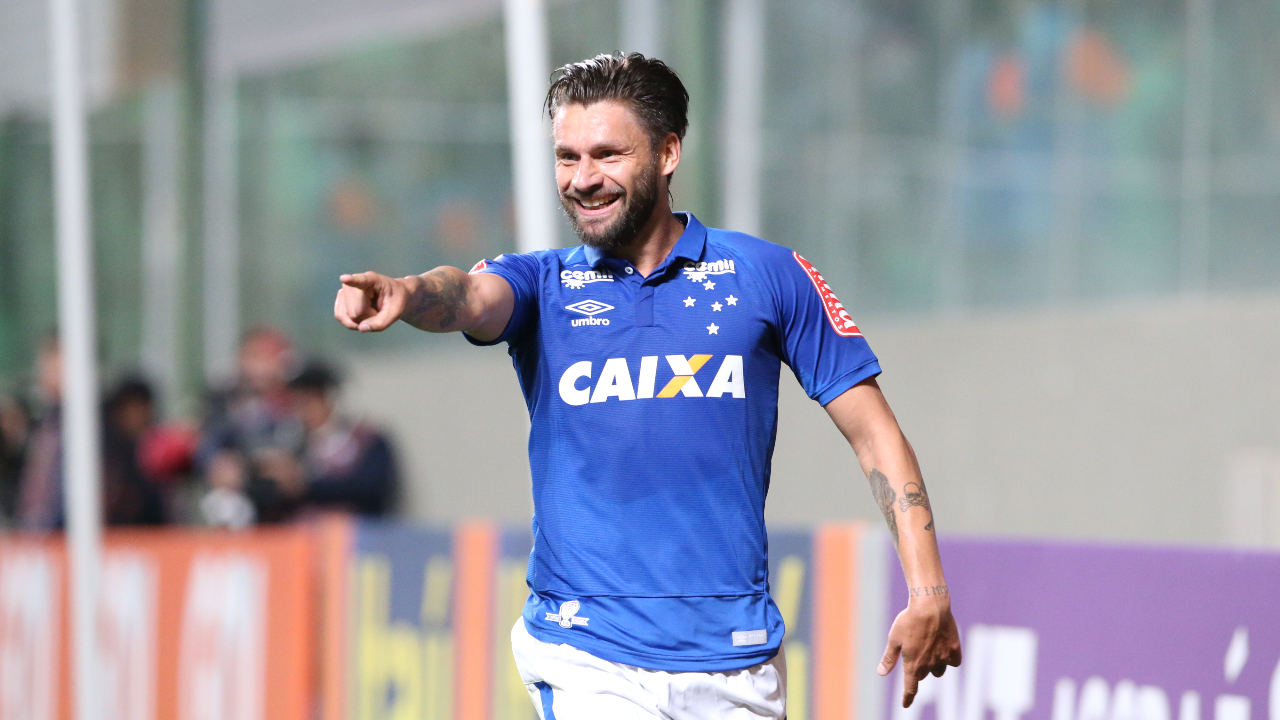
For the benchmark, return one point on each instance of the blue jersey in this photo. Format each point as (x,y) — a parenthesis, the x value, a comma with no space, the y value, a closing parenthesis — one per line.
(654,407)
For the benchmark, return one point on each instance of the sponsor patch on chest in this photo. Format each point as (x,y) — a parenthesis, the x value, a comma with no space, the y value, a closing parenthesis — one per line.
(578,279)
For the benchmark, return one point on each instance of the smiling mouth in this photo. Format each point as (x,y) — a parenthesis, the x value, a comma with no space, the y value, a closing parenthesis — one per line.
(597,205)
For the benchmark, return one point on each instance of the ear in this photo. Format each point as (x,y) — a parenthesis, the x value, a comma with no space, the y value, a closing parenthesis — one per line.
(669,155)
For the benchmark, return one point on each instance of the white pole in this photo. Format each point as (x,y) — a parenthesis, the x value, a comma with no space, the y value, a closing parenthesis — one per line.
(162,238)
(1197,159)
(641,29)
(221,227)
(81,449)
(744,114)
(528,69)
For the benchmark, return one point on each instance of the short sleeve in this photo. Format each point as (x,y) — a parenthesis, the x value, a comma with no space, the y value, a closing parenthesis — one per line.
(819,339)
(522,272)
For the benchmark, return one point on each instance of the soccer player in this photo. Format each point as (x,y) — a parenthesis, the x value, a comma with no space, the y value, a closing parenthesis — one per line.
(649,358)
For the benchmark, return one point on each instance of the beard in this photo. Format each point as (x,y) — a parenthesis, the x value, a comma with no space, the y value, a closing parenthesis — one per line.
(636,208)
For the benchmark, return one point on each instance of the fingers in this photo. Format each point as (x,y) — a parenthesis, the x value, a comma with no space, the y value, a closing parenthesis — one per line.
(340,312)
(364,280)
(392,306)
(359,299)
(910,683)
(890,658)
(939,669)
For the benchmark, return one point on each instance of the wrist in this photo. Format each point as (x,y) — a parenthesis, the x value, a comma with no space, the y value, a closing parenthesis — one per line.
(929,595)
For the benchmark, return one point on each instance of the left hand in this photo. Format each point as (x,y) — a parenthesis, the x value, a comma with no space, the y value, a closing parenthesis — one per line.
(926,636)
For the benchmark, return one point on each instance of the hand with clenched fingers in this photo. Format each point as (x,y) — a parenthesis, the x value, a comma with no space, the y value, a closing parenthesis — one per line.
(370,302)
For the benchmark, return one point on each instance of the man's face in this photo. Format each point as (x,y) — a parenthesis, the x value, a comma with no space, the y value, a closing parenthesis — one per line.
(606,171)
(264,362)
(313,407)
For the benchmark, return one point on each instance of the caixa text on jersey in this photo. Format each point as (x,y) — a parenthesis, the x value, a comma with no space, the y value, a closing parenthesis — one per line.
(615,379)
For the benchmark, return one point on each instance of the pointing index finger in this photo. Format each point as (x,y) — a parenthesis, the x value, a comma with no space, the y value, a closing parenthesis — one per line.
(363,281)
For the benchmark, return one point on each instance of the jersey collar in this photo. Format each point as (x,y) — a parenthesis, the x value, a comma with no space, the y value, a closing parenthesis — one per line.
(690,246)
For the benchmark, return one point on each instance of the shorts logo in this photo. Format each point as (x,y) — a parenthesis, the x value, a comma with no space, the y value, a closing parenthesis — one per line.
(567,617)
(698,271)
(577,279)
(836,313)
(590,308)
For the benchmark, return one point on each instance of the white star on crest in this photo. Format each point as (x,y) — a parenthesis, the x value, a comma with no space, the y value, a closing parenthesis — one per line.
(689,301)
(708,285)
(713,329)
(716,306)
(731,300)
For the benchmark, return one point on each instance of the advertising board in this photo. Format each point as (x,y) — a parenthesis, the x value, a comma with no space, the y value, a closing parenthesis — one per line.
(1055,631)
(192,625)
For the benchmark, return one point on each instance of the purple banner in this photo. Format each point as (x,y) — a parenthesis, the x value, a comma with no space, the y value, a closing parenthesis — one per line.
(1080,632)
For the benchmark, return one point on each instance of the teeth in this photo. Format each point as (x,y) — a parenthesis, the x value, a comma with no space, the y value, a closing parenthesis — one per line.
(596,203)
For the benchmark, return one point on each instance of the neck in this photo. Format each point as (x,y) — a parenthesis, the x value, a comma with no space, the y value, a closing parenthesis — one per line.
(655,240)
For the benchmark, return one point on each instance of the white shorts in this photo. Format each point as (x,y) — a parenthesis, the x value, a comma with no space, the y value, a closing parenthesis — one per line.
(566,683)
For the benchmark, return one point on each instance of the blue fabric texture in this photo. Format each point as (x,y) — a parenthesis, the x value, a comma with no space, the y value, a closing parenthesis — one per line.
(653,407)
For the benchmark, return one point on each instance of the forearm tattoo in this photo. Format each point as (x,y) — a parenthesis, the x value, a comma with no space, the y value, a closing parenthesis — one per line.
(928,590)
(915,495)
(436,305)
(885,497)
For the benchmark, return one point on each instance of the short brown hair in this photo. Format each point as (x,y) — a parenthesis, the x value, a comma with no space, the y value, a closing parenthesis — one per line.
(651,88)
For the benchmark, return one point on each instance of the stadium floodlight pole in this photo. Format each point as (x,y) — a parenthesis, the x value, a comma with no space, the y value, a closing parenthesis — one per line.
(528,70)
(81,450)
(641,26)
(744,41)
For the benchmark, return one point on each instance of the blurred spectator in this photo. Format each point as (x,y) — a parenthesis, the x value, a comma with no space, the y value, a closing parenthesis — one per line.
(343,465)
(245,423)
(15,429)
(40,486)
(142,460)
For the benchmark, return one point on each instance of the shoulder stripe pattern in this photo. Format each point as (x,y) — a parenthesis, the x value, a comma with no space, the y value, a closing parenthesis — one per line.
(841,322)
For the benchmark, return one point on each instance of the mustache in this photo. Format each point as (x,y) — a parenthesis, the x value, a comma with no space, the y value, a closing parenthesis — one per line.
(572,194)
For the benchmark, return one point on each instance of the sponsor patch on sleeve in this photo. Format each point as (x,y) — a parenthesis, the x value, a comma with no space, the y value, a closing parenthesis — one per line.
(841,322)
(478,267)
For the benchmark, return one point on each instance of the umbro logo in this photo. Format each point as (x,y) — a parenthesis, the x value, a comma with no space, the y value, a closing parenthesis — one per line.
(590,308)
(567,617)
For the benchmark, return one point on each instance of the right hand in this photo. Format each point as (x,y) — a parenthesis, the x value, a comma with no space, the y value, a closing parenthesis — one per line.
(926,636)
(370,302)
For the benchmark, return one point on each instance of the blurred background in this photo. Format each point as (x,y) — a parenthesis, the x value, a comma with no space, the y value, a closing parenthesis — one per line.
(1057,222)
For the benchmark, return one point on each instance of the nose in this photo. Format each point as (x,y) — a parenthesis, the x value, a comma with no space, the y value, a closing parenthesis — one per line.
(587,176)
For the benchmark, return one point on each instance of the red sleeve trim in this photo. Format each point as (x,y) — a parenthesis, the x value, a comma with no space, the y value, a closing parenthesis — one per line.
(836,312)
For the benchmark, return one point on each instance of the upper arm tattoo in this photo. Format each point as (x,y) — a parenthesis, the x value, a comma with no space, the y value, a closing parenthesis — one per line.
(885,497)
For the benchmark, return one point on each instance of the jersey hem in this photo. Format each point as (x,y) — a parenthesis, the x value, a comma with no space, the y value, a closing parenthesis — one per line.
(647,661)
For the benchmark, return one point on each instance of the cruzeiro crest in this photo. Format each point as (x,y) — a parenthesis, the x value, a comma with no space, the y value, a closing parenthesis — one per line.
(568,615)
